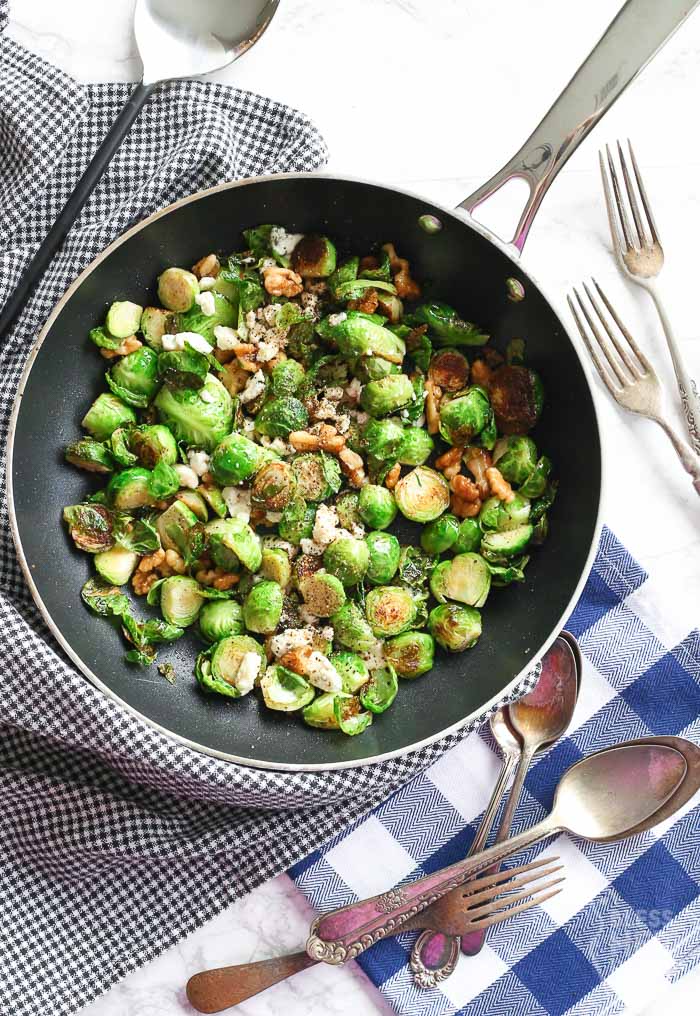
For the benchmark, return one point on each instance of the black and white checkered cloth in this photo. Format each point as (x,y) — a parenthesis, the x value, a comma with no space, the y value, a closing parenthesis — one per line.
(114,840)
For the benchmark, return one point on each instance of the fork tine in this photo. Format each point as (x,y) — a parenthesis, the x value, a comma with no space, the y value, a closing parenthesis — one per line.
(643,195)
(497,904)
(614,222)
(621,210)
(605,377)
(489,894)
(633,345)
(505,915)
(632,367)
(603,344)
(641,235)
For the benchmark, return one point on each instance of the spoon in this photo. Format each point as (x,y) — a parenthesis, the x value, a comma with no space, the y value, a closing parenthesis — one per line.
(175,39)
(602,797)
(532,723)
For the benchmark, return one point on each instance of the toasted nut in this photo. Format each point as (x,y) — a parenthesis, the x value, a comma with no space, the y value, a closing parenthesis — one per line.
(464,509)
(478,461)
(208,265)
(392,477)
(350,459)
(481,373)
(249,365)
(368,262)
(465,488)
(129,345)
(282,281)
(175,562)
(151,561)
(216,577)
(498,485)
(432,406)
(297,659)
(141,582)
(225,581)
(406,287)
(449,458)
(368,303)
(302,441)
(234,378)
(224,355)
(329,439)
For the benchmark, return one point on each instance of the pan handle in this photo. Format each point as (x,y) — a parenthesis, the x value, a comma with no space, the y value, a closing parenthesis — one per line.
(640,29)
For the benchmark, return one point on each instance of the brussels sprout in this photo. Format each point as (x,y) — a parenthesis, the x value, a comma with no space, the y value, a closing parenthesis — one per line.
(449,369)
(314,257)
(347,272)
(390,306)
(469,537)
(214,498)
(349,715)
(105,599)
(505,544)
(139,535)
(410,654)
(284,690)
(455,627)
(466,578)
(384,554)
(116,565)
(274,486)
(357,335)
(219,619)
(301,343)
(173,524)
(297,522)
(347,559)
(281,415)
(489,435)
(535,483)
(323,594)
(390,393)
(464,417)
(447,327)
(231,541)
(516,396)
(275,566)
(415,448)
(219,668)
(153,444)
(183,368)
(180,600)
(195,320)
(106,414)
(123,319)
(516,457)
(90,526)
(104,340)
(353,670)
(374,368)
(542,504)
(90,455)
(390,609)
(134,378)
(320,713)
(262,608)
(155,323)
(376,506)
(304,566)
(383,438)
(177,289)
(200,419)
(440,534)
(287,377)
(119,446)
(504,574)
(381,689)
(195,502)
(234,460)
(346,506)
(351,628)
(507,515)
(422,494)
(317,475)
(415,567)
(163,481)
(130,489)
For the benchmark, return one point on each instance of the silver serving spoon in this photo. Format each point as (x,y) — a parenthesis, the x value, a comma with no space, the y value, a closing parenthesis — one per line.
(175,39)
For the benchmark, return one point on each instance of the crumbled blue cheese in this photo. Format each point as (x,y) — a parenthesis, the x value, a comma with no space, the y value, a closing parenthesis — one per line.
(254,387)
(267,351)
(206,283)
(292,638)
(312,547)
(238,502)
(336,319)
(226,338)
(325,525)
(273,542)
(306,615)
(178,341)
(322,674)
(186,476)
(199,462)
(282,242)
(374,658)
(206,303)
(247,672)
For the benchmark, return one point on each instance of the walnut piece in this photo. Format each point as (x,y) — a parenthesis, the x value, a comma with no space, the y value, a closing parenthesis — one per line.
(498,485)
(406,287)
(367,303)
(465,488)
(129,345)
(432,406)
(216,577)
(353,467)
(392,477)
(302,441)
(464,509)
(478,461)
(207,266)
(282,281)
(161,564)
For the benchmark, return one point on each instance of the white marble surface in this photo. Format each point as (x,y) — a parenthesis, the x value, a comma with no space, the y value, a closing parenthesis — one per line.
(462,82)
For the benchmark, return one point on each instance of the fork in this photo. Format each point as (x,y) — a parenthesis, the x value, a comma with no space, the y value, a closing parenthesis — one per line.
(641,257)
(625,370)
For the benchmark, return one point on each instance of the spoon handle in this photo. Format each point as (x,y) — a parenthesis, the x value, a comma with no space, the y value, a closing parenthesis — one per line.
(214,990)
(83,189)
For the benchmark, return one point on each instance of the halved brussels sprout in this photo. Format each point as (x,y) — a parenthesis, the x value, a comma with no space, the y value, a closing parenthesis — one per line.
(153,444)
(516,457)
(317,475)
(214,498)
(287,377)
(219,668)
(543,503)
(382,439)
(447,327)
(352,629)
(90,455)
(119,446)
(173,524)
(199,419)
(130,489)
(163,482)
(384,553)
(517,396)
(469,537)
(297,522)
(262,608)
(464,416)
(181,600)
(347,559)
(348,712)
(274,486)
(284,690)
(376,506)
(177,289)
(381,689)
(275,566)
(314,257)
(231,541)
(505,544)
(449,369)
(123,319)
(422,495)
(410,654)
(155,323)
(195,502)
(489,513)
(374,368)
(415,448)
(390,306)
(466,578)
(509,515)
(90,526)
(104,599)
(440,534)
(281,415)
(535,483)
(387,395)
(358,335)
(455,627)
(353,670)
(220,618)
(305,565)
(323,594)
(134,378)
(415,567)
(234,460)
(320,713)
(116,565)
(390,609)
(346,506)
(106,414)
(183,368)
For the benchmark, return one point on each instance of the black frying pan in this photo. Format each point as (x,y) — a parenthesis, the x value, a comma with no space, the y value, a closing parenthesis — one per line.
(470,267)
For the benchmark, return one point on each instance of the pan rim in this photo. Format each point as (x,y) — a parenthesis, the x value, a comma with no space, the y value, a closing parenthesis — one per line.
(464,218)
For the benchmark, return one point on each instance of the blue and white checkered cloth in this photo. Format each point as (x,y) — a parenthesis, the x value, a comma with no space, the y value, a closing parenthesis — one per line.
(628,920)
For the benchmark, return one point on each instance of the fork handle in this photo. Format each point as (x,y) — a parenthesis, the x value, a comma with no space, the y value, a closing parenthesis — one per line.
(689,460)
